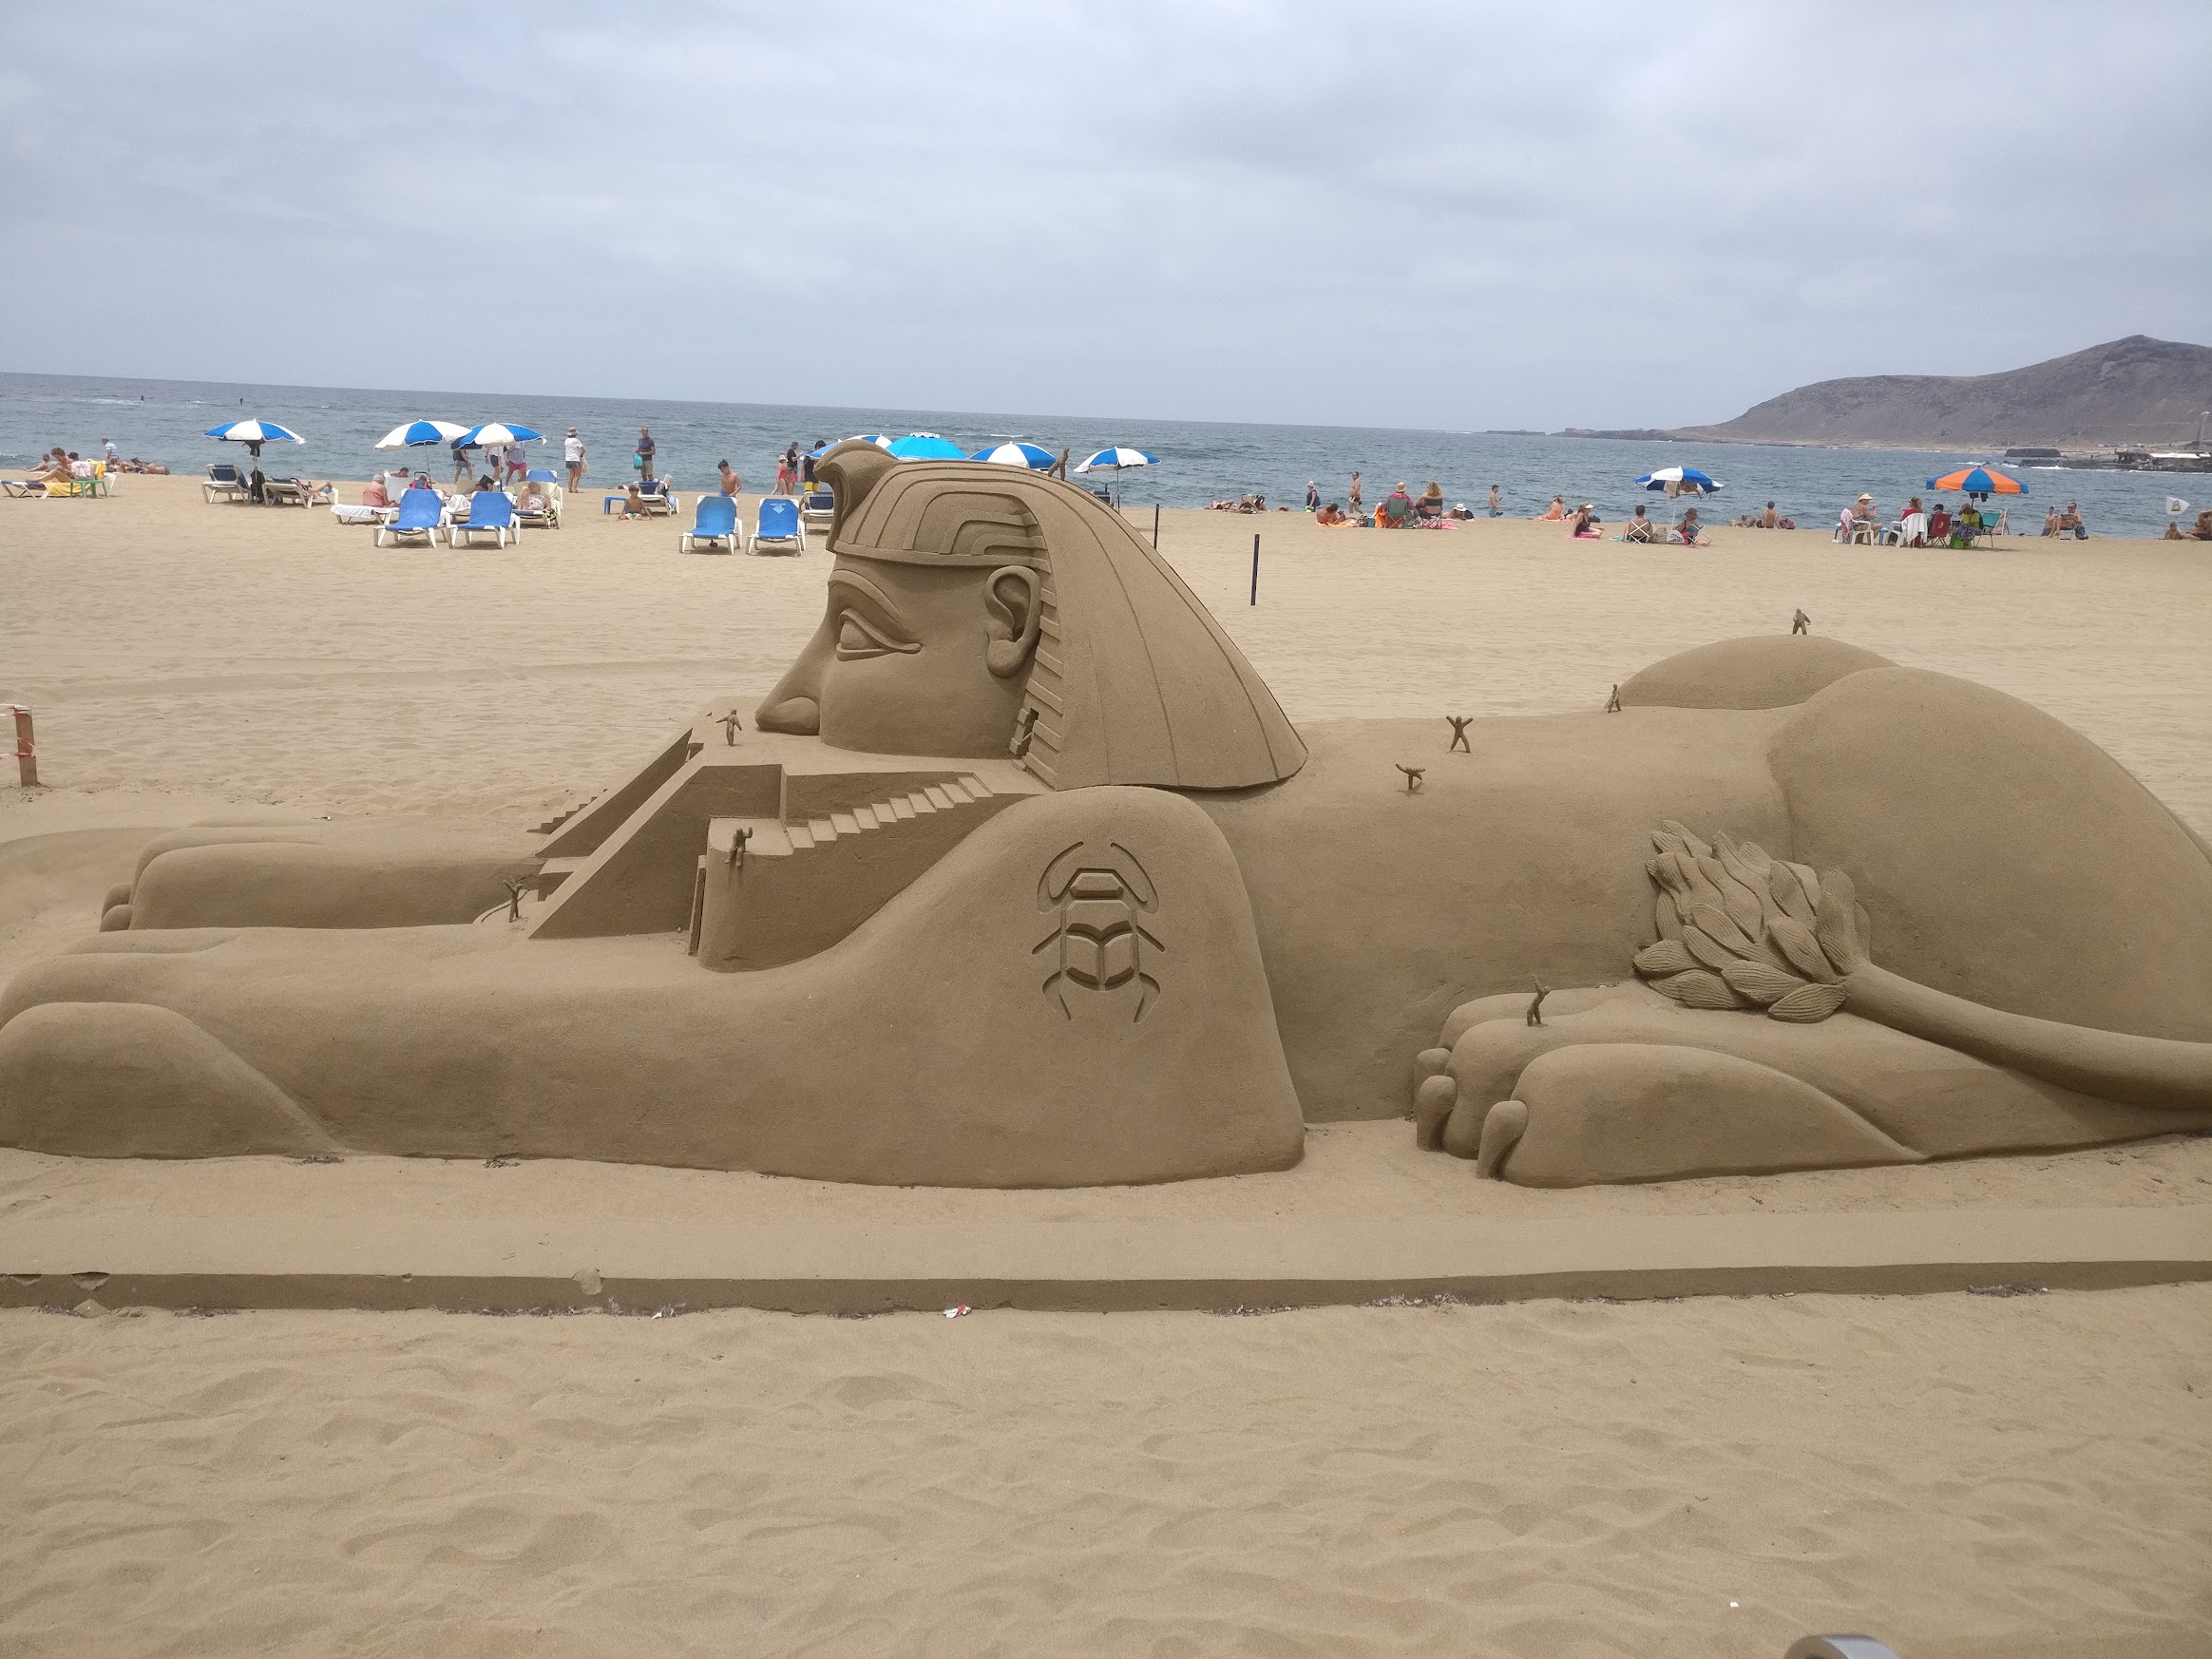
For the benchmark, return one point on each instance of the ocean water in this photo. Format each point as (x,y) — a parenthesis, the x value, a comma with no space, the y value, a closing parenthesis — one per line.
(1200,460)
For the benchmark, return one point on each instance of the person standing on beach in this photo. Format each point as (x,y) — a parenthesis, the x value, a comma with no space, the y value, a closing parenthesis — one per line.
(572,452)
(462,466)
(107,447)
(731,484)
(645,453)
(806,477)
(1312,496)
(1495,511)
(1355,495)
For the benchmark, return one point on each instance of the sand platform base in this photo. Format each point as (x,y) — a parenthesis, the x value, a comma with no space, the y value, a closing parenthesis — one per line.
(1364,1218)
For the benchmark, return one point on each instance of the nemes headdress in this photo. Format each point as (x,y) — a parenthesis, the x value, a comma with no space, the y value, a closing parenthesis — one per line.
(1133,682)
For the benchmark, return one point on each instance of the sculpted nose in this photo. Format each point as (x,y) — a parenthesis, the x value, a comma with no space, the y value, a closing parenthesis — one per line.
(797,716)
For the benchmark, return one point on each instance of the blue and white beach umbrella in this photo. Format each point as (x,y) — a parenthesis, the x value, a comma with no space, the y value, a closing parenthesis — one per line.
(1118,458)
(256,434)
(419,432)
(1030,455)
(876,438)
(925,447)
(496,433)
(1687,480)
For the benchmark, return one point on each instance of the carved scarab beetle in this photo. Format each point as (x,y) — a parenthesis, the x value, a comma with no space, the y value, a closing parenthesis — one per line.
(1100,943)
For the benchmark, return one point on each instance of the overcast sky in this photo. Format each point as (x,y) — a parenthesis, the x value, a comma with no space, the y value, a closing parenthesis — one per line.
(1451,215)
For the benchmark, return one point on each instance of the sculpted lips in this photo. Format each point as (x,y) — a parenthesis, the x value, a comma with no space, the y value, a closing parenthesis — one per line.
(867,623)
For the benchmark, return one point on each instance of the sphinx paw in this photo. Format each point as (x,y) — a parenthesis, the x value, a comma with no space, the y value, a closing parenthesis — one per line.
(130,1079)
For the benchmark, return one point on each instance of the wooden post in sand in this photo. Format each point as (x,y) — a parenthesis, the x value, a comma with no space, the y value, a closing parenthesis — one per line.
(26,747)
(1155,526)
(1255,599)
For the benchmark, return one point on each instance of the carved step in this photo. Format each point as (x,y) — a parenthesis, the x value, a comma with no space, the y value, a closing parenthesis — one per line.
(770,898)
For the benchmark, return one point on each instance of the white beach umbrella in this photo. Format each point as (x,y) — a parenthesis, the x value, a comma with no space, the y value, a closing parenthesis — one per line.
(1117,457)
(420,433)
(1033,457)
(497,434)
(1113,460)
(254,434)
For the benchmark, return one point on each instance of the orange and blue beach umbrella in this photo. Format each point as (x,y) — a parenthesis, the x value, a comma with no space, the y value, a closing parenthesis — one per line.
(1979,481)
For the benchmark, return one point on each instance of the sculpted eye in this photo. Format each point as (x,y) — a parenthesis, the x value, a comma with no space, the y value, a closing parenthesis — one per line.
(858,637)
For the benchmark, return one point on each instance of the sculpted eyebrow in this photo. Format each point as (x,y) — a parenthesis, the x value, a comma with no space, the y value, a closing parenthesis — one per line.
(864,589)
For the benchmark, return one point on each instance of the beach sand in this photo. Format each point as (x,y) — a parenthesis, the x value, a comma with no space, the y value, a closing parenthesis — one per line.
(1961,1475)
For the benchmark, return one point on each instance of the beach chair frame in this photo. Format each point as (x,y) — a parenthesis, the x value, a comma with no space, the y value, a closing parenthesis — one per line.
(776,541)
(216,487)
(701,540)
(548,518)
(398,530)
(497,521)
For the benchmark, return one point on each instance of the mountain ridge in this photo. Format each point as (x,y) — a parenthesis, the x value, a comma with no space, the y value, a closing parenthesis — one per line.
(2134,392)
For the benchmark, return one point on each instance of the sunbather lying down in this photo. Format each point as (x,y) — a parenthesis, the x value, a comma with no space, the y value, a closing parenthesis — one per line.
(1101,914)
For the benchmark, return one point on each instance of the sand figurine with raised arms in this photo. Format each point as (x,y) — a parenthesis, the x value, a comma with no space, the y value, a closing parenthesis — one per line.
(1020,877)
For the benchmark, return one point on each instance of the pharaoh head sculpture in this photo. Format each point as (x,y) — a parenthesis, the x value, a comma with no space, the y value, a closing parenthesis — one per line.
(976,611)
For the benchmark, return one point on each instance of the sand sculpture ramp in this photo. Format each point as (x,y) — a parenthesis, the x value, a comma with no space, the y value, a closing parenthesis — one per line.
(775,889)
(765,849)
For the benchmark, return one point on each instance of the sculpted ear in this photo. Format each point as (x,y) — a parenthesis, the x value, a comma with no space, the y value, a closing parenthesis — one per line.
(1012,598)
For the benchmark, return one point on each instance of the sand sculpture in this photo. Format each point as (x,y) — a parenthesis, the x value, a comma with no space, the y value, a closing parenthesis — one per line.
(1020,877)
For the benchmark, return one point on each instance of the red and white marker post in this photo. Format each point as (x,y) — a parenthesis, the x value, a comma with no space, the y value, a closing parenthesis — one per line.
(25,747)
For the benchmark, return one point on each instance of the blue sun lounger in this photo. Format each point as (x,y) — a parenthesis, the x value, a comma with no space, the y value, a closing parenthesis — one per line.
(715,530)
(419,513)
(492,512)
(779,528)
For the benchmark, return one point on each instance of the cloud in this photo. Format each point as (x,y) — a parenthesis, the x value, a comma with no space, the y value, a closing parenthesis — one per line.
(1418,215)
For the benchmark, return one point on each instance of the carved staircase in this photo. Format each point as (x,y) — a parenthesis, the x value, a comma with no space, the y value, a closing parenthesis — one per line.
(801,843)
(772,890)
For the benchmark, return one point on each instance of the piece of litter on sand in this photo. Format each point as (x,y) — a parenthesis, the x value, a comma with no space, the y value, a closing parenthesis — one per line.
(955,1312)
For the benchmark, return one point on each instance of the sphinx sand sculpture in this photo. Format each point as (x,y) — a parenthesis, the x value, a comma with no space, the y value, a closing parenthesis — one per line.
(1020,877)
